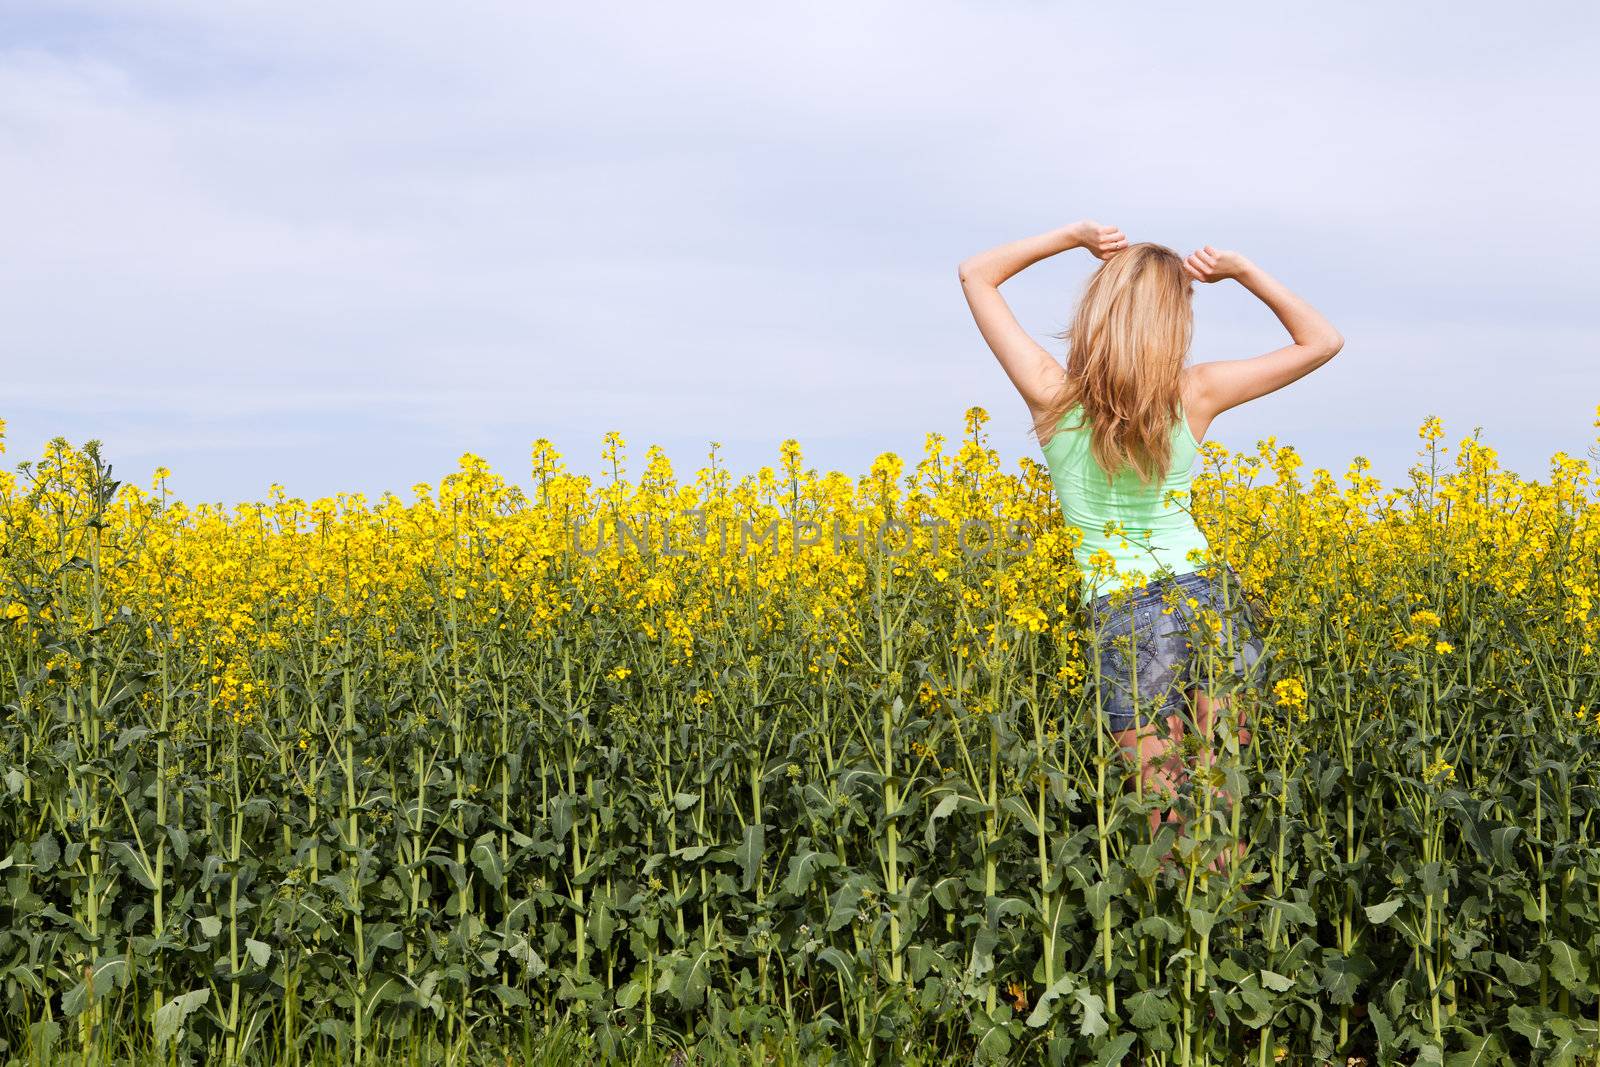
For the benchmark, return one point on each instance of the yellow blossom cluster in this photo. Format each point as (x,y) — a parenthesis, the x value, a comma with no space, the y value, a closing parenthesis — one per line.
(793,553)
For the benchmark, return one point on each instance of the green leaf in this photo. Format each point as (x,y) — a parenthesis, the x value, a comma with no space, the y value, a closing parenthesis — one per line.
(1151,1008)
(486,857)
(1294,911)
(171,1015)
(1500,842)
(180,841)
(943,809)
(1567,966)
(1258,1001)
(749,853)
(105,975)
(1529,1021)
(602,923)
(1479,1051)
(845,904)
(1381,1027)
(983,946)
(210,926)
(1093,1009)
(1145,861)
(562,815)
(1517,971)
(996,1039)
(46,853)
(129,736)
(1276,982)
(690,977)
(259,952)
(1378,914)
(511,998)
(384,988)
(43,1035)
(134,864)
(691,853)
(1019,808)
(1096,899)
(74,1000)
(1159,926)
(1341,976)
(1113,1052)
(1042,1008)
(836,959)
(630,993)
(803,868)
(521,950)
(1432,877)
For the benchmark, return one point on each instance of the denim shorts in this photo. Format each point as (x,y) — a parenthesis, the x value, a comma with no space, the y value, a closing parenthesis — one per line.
(1170,657)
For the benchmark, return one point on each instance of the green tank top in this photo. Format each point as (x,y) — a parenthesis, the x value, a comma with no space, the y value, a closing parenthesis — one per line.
(1154,536)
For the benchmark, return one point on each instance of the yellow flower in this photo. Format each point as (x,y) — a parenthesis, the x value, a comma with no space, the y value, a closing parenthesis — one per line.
(1441,770)
(1290,693)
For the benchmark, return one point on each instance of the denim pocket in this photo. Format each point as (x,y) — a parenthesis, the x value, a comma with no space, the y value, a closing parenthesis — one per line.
(1112,618)
(1125,639)
(1147,641)
(1149,635)
(1238,642)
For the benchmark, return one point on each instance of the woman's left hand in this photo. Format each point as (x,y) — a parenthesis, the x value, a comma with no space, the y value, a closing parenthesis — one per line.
(1103,242)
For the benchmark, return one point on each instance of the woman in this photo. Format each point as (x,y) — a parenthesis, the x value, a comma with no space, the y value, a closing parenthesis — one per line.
(1120,426)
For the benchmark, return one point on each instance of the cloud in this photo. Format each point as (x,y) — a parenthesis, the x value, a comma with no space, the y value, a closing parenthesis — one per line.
(439,228)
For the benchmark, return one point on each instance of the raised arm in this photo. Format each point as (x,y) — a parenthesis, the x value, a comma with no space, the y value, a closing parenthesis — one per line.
(1031,369)
(1228,383)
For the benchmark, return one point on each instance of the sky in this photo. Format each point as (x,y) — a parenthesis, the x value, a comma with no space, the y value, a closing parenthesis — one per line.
(335,246)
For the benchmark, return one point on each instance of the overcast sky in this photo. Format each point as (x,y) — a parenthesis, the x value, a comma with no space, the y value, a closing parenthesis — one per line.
(336,245)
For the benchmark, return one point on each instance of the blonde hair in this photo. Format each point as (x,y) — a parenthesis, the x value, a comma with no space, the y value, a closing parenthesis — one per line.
(1127,344)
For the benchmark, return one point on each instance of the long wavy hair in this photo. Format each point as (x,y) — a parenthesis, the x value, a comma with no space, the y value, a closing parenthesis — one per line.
(1127,344)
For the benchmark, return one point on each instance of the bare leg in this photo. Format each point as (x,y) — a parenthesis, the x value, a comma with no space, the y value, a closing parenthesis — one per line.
(1159,763)
(1161,766)
(1209,711)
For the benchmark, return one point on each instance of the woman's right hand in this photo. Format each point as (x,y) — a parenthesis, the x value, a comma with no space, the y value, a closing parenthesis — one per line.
(1103,242)
(1211,265)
